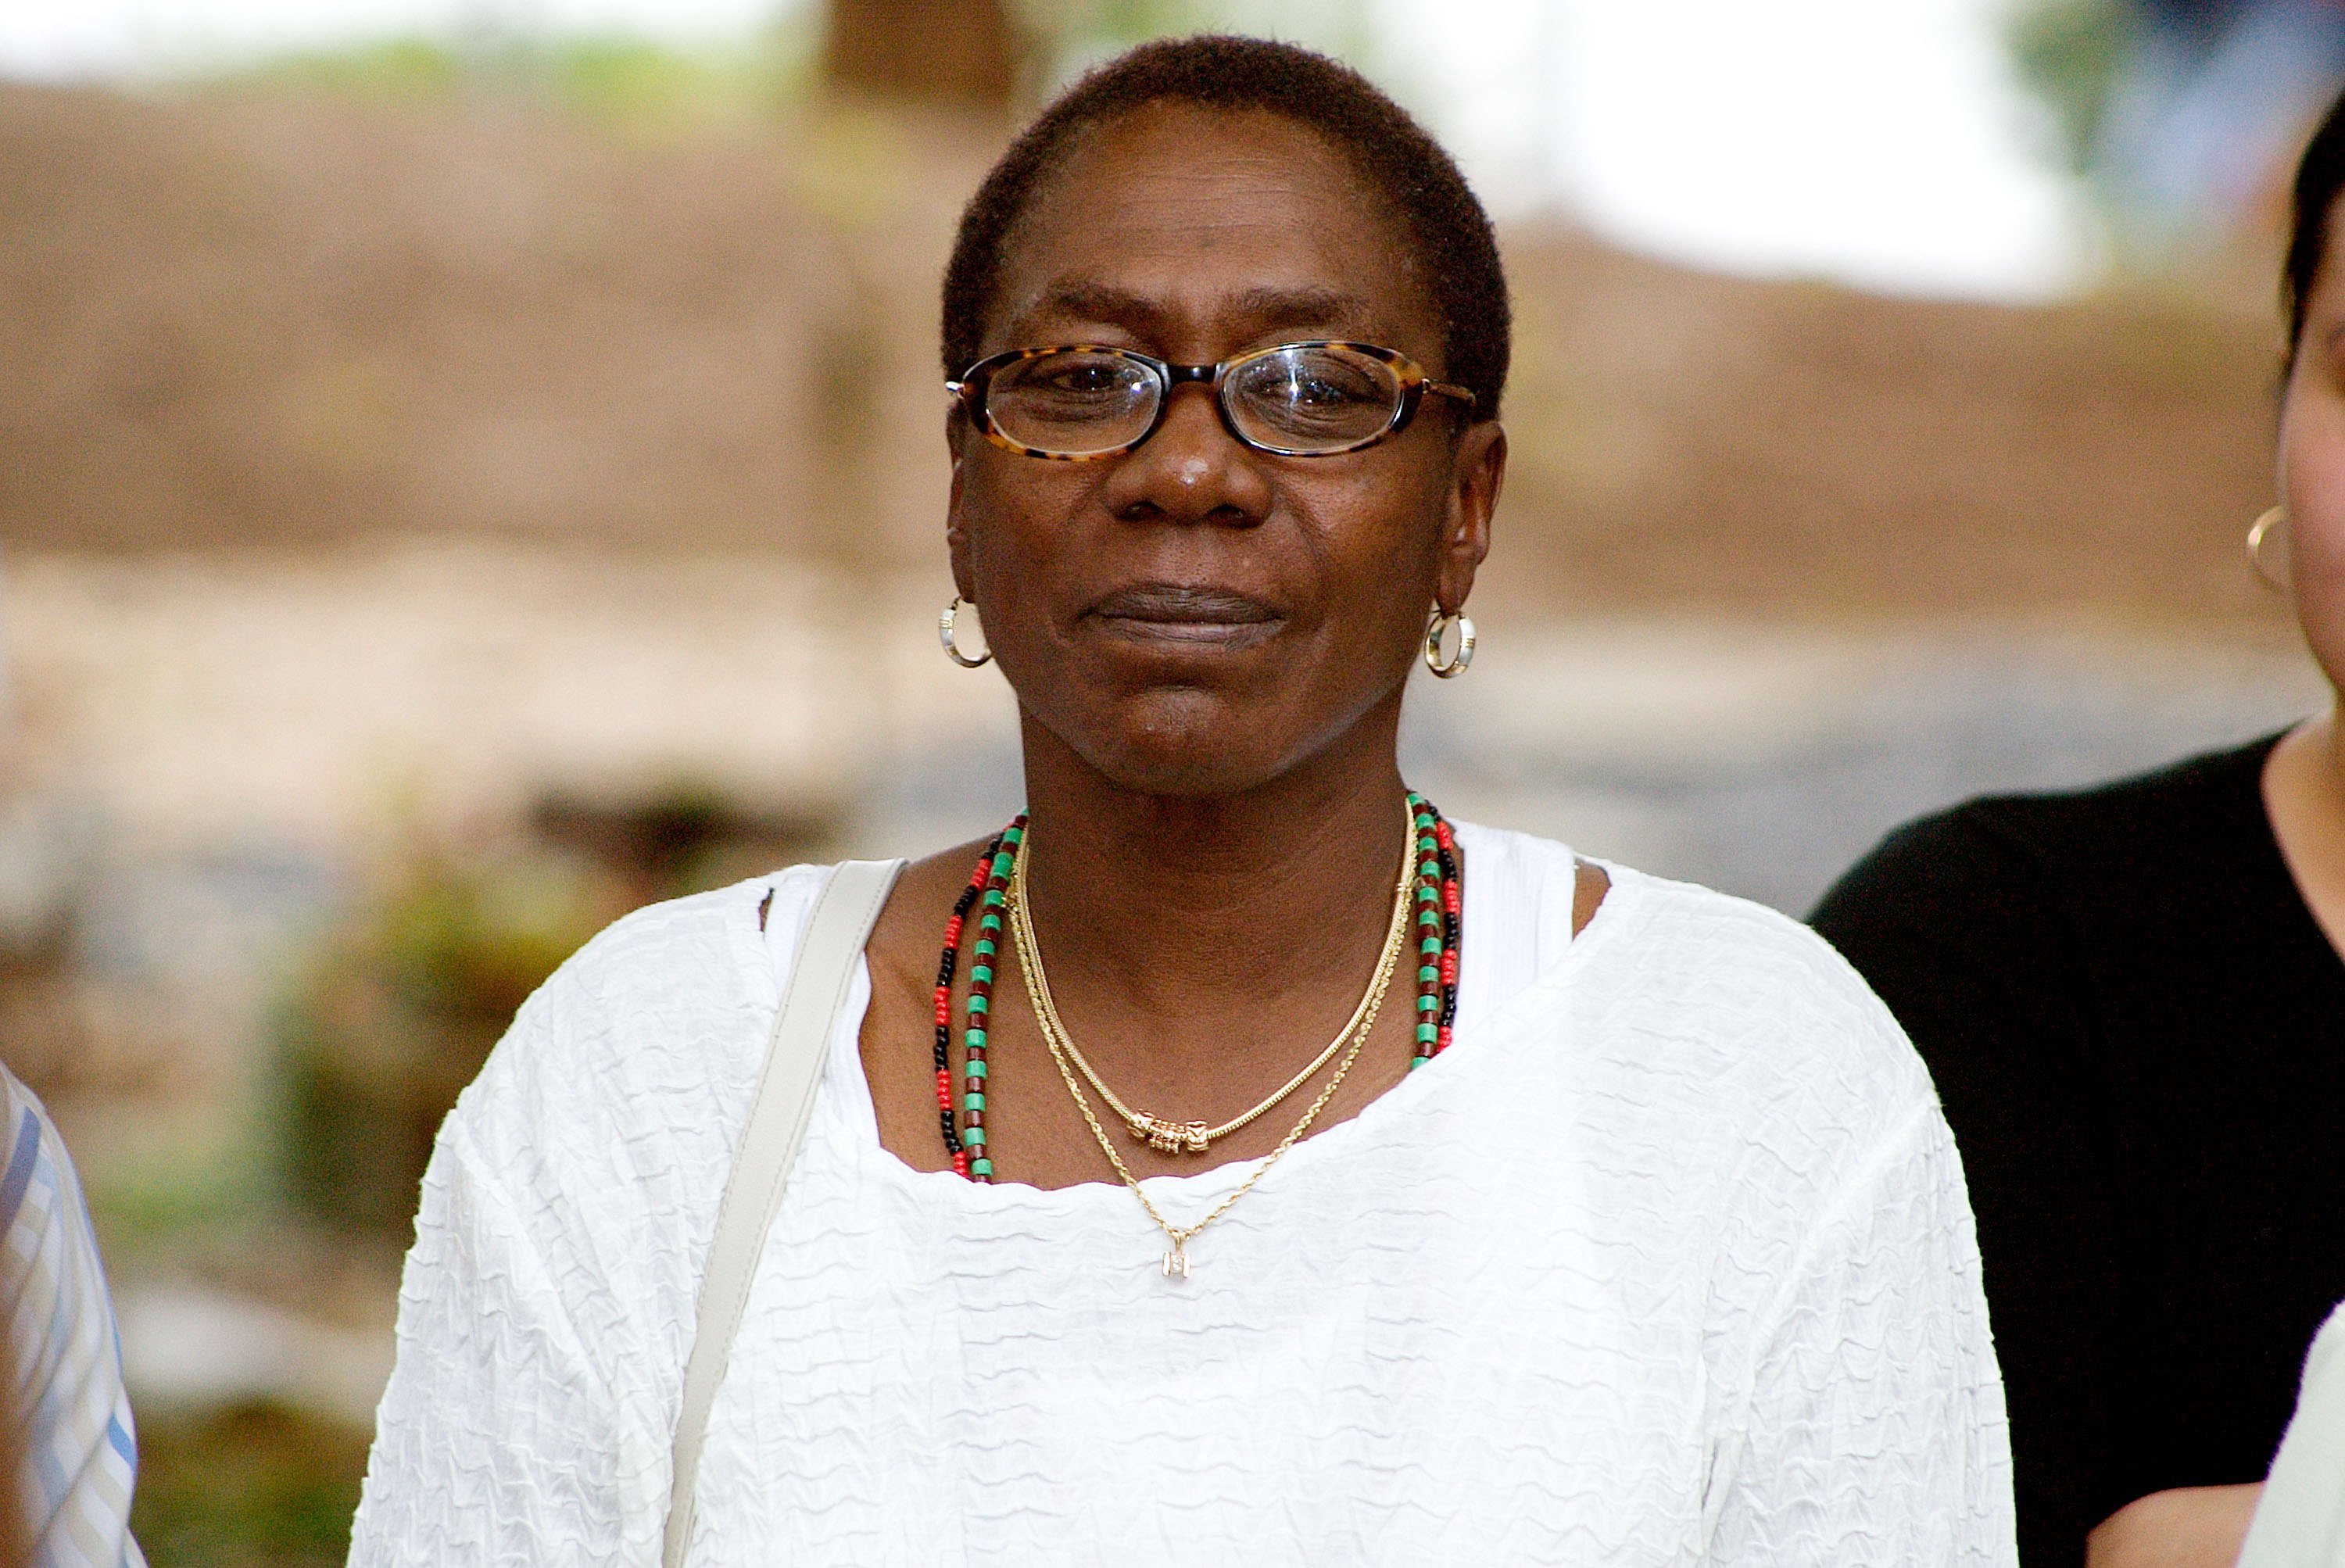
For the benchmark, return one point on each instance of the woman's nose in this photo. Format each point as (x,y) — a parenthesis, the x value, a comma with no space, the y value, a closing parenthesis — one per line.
(1192,470)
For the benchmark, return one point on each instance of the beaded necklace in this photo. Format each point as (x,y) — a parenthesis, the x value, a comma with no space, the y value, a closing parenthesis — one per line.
(1440,924)
(989,883)
(1436,894)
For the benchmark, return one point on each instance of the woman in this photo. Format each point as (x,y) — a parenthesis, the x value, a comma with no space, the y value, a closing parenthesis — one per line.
(2132,1003)
(1661,1254)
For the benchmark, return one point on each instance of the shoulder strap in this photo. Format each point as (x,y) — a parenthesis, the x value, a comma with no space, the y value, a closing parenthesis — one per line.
(834,938)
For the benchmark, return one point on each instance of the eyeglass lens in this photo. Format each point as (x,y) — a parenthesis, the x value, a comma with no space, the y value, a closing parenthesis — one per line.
(1077,402)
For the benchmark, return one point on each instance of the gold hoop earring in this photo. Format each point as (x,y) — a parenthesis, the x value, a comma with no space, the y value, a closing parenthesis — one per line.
(1436,630)
(952,648)
(2259,537)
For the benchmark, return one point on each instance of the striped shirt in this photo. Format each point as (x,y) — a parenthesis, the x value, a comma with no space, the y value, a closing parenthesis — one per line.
(65,1363)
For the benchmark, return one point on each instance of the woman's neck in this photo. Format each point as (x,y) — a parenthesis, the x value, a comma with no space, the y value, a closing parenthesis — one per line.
(2304,795)
(1203,914)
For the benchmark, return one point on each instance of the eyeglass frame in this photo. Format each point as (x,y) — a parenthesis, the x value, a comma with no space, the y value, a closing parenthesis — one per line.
(968,390)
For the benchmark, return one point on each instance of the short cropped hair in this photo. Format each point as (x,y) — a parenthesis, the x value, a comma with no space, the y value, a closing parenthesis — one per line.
(2319,175)
(1443,223)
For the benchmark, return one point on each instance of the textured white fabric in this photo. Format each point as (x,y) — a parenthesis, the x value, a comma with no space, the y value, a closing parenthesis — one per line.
(1667,1260)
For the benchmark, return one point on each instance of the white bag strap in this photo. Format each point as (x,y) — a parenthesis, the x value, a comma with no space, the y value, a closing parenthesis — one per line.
(835,934)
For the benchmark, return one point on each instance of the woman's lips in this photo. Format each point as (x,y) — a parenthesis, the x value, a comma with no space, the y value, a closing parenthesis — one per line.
(1192,615)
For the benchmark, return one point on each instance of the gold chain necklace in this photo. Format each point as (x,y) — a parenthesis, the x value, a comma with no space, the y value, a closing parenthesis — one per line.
(1194,1137)
(1055,1036)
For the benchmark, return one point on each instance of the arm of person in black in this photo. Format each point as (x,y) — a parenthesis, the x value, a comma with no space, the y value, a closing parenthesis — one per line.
(1957,926)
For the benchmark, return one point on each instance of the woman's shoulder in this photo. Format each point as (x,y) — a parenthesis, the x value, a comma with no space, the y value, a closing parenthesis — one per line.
(1655,937)
(2115,841)
(1698,995)
(654,1027)
(1739,1044)
(655,971)
(1529,883)
(1766,992)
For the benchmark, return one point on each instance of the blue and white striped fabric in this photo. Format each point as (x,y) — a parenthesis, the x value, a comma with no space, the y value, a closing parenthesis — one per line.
(65,1363)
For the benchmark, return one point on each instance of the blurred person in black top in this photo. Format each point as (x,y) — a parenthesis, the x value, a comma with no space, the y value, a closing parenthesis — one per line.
(2133,1000)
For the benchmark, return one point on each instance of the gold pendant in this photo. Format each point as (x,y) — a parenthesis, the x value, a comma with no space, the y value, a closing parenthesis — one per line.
(1170,1138)
(1176,1262)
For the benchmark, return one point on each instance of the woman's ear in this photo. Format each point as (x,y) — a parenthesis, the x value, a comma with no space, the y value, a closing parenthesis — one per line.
(956,534)
(1479,469)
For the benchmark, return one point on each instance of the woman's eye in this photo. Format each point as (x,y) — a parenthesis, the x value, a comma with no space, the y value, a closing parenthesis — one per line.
(1083,378)
(1324,393)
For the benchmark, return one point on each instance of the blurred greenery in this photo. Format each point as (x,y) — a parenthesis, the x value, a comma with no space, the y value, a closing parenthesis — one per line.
(2068,53)
(399,1008)
(401,1001)
(249,1487)
(382,1023)
(1068,36)
(181,1186)
(1113,22)
(632,83)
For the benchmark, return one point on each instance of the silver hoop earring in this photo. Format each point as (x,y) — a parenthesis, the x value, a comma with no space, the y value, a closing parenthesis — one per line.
(1436,631)
(2259,537)
(952,648)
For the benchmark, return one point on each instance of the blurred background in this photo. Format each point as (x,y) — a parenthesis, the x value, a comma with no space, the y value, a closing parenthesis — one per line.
(469,467)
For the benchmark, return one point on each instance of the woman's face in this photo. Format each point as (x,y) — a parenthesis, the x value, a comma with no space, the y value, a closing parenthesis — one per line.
(1194,617)
(2312,468)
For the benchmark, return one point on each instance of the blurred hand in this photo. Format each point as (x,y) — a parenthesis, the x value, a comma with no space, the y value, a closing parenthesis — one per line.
(2188,1527)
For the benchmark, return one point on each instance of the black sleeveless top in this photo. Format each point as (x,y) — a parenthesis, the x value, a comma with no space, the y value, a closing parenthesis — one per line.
(2139,1033)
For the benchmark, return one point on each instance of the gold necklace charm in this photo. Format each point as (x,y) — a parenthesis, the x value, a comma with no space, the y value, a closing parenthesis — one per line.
(1169,1138)
(1175,1262)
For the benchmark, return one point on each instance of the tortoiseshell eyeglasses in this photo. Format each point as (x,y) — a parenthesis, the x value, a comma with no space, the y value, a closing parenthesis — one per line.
(1076,401)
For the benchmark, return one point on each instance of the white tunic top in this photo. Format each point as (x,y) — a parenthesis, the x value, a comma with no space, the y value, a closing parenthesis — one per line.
(1668,1259)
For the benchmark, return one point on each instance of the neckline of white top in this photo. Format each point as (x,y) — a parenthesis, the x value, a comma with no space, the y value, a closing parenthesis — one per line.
(1499,966)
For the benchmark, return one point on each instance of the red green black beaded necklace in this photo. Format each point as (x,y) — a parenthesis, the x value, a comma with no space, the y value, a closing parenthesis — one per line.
(1440,912)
